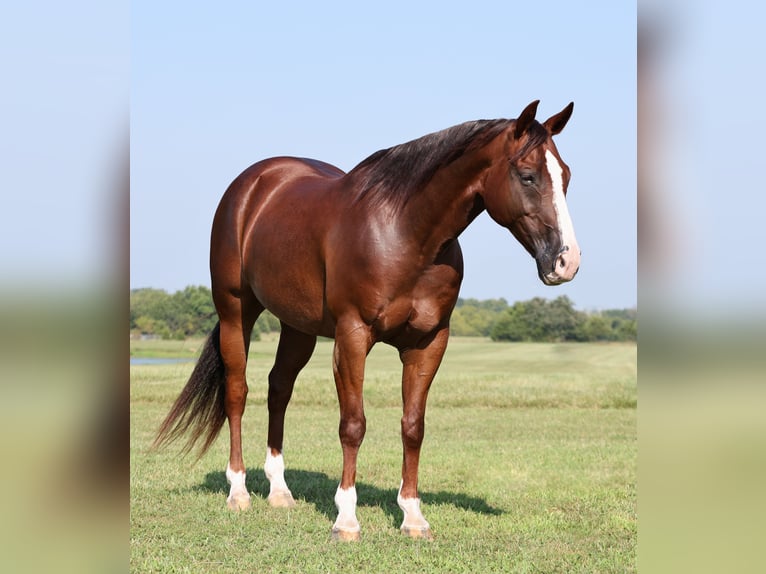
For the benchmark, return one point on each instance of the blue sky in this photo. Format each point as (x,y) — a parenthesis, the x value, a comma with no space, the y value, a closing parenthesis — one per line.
(216,87)
(211,90)
(64,111)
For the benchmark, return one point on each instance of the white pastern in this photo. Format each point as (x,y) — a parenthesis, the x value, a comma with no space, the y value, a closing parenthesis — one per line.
(279,495)
(236,479)
(566,229)
(413,517)
(345,501)
(274,467)
(238,497)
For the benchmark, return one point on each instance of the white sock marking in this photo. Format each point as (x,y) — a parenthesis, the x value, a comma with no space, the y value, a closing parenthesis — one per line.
(235,478)
(345,501)
(413,517)
(238,488)
(274,467)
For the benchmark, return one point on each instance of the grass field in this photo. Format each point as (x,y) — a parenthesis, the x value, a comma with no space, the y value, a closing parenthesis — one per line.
(529,465)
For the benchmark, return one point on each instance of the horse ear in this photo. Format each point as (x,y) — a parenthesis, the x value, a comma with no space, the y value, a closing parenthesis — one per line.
(525,119)
(555,124)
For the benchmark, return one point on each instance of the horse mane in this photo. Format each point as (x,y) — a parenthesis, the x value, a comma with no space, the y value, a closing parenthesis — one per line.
(391,176)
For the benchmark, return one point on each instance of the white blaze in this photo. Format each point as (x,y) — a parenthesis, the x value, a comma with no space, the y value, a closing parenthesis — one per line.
(565,227)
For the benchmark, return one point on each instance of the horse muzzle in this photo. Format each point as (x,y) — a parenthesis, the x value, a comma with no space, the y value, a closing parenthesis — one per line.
(564,267)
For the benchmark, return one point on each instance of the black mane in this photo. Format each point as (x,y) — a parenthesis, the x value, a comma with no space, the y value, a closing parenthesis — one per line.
(392,175)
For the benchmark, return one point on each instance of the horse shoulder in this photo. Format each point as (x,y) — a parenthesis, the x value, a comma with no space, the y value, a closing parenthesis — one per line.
(436,291)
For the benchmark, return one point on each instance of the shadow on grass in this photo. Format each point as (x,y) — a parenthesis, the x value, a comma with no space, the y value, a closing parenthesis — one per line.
(319,489)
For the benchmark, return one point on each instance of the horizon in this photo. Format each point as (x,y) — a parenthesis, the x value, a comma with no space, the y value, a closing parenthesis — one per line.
(461,299)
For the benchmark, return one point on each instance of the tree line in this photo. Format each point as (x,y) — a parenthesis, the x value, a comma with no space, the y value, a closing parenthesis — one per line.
(180,315)
(540,319)
(190,313)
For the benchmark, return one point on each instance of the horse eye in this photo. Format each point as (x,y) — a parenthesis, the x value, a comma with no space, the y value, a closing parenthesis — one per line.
(527,179)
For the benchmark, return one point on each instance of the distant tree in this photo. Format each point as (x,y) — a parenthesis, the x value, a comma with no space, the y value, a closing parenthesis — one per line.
(474,318)
(539,320)
(267,323)
(195,312)
(625,314)
(513,325)
(627,330)
(190,313)
(154,304)
(595,327)
(562,320)
(186,313)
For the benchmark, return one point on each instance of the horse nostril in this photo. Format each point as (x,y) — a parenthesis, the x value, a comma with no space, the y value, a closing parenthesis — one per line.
(562,263)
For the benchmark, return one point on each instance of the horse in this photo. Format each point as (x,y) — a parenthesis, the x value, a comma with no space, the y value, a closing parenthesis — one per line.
(363,257)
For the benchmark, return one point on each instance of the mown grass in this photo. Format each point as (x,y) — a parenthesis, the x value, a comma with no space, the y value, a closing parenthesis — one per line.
(529,465)
(159,348)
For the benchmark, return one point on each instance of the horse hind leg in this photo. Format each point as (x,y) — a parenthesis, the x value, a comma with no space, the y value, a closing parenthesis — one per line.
(294,351)
(237,316)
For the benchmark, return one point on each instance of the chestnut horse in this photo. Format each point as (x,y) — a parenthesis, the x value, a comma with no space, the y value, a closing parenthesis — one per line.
(366,256)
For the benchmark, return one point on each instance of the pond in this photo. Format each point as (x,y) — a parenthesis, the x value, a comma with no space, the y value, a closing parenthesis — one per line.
(160,360)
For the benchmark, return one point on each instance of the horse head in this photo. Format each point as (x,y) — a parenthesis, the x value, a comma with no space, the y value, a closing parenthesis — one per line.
(527,194)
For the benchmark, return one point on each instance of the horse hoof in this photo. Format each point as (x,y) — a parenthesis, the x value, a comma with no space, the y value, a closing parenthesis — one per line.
(238,503)
(346,535)
(281,499)
(417,532)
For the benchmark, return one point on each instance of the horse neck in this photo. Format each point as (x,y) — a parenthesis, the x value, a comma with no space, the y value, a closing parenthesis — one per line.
(451,200)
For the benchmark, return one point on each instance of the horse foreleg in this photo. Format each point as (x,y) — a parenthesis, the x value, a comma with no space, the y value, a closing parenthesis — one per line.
(294,351)
(352,343)
(419,369)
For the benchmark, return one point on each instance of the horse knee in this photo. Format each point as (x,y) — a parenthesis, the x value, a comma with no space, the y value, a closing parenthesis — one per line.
(351,430)
(413,430)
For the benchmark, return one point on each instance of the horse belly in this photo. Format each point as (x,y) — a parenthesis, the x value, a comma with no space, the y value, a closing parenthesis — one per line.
(283,267)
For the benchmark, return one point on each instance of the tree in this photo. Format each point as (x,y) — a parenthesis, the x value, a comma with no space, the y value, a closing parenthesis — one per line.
(190,313)
(595,328)
(186,313)
(475,318)
(539,320)
(195,312)
(512,326)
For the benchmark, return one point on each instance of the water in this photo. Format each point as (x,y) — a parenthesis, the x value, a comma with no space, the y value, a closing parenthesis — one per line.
(159,360)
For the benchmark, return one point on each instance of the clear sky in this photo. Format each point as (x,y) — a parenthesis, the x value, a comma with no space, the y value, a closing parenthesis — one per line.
(216,87)
(64,107)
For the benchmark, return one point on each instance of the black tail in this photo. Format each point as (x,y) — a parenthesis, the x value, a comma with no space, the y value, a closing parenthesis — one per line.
(199,409)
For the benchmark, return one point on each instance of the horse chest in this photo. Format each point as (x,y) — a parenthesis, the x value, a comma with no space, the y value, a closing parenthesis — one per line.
(409,316)
(425,307)
(425,316)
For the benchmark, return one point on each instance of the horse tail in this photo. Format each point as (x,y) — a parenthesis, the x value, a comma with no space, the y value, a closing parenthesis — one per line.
(199,409)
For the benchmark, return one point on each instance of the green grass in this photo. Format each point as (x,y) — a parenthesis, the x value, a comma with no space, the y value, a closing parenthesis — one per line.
(529,465)
(159,348)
